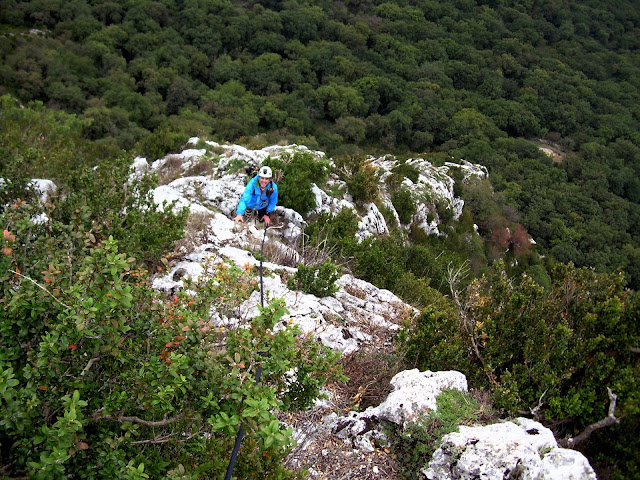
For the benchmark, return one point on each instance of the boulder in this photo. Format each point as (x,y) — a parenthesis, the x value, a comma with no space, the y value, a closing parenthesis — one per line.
(522,449)
(414,394)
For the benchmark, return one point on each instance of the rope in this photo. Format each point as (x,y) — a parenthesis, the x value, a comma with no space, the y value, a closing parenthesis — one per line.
(240,435)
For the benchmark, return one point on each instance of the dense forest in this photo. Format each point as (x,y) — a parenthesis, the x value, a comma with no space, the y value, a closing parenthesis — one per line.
(480,80)
(89,83)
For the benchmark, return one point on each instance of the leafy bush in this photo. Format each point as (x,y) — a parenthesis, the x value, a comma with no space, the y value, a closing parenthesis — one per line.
(381,261)
(334,233)
(294,179)
(360,177)
(106,201)
(38,143)
(557,348)
(404,204)
(402,171)
(162,141)
(319,280)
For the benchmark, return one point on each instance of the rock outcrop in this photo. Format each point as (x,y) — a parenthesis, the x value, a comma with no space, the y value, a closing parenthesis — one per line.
(521,449)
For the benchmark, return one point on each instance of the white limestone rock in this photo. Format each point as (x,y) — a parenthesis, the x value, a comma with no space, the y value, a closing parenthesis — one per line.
(502,450)
(373,223)
(414,394)
(139,167)
(565,464)
(293,224)
(44,187)
(165,195)
(328,204)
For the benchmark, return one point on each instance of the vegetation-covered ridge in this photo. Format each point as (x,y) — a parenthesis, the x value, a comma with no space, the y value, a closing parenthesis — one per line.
(461,77)
(101,376)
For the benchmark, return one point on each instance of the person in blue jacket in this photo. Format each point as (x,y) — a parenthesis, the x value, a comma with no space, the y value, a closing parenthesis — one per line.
(260,194)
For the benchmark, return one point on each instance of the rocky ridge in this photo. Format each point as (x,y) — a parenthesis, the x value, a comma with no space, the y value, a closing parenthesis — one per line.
(334,442)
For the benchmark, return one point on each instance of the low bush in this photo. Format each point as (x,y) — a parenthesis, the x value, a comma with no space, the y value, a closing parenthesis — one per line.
(104,378)
(404,204)
(555,349)
(318,280)
(360,176)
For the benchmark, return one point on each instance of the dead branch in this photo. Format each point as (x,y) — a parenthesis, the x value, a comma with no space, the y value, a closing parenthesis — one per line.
(41,287)
(161,439)
(609,420)
(535,411)
(454,276)
(89,365)
(121,418)
(634,349)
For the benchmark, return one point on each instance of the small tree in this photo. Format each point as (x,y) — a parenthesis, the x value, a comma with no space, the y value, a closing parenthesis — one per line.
(294,176)
(360,176)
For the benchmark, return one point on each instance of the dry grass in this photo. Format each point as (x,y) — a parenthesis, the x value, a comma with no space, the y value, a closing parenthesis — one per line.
(281,254)
(315,253)
(323,454)
(170,170)
(196,232)
(355,291)
(369,370)
(200,167)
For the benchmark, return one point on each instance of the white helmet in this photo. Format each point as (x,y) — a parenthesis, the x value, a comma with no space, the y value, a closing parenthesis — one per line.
(265,172)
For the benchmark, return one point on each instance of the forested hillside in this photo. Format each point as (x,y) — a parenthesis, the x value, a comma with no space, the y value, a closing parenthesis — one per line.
(544,93)
(473,79)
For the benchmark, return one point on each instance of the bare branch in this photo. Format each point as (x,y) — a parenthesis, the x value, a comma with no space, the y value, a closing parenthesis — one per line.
(41,287)
(454,276)
(89,364)
(121,418)
(605,422)
(163,439)
(536,410)
(634,349)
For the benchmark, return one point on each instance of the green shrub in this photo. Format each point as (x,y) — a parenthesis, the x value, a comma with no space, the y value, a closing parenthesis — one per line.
(337,232)
(104,201)
(404,204)
(319,280)
(381,261)
(104,378)
(38,143)
(564,344)
(163,140)
(435,340)
(402,171)
(360,176)
(294,175)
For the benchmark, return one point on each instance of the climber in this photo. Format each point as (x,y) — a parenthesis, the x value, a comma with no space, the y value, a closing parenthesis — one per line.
(260,194)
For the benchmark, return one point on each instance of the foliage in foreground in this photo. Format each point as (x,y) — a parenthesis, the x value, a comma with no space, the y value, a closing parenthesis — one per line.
(101,377)
(555,350)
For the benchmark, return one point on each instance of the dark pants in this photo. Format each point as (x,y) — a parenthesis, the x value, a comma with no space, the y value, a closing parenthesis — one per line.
(261,213)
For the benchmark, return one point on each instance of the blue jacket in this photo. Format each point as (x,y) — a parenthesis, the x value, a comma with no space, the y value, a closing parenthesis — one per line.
(252,197)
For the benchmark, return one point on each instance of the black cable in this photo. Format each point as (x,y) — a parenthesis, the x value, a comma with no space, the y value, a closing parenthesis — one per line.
(236,446)
(261,284)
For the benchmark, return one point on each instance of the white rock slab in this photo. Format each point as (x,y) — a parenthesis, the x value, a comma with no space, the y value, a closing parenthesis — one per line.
(502,450)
